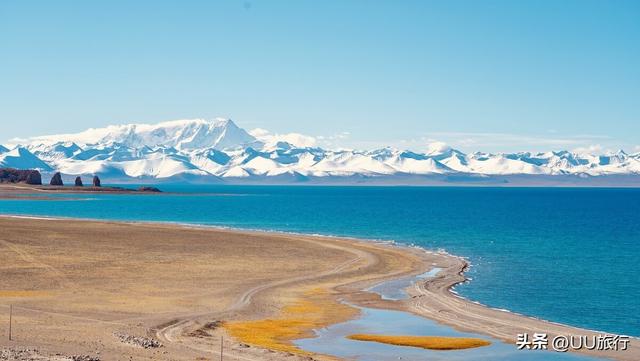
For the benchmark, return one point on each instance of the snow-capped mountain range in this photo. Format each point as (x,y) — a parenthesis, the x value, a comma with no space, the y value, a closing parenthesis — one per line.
(218,150)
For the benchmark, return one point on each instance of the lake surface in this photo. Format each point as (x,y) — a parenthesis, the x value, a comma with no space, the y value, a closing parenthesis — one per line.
(561,254)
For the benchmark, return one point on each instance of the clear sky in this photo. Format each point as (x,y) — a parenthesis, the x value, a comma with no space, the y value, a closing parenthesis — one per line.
(480,75)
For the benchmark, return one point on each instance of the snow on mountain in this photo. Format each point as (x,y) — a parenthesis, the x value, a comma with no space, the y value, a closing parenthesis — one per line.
(220,149)
(500,164)
(352,162)
(420,166)
(210,160)
(153,165)
(409,162)
(56,151)
(236,172)
(22,158)
(181,134)
(263,166)
(272,141)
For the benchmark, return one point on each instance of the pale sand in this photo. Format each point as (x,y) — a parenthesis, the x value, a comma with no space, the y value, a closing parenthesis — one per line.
(74,284)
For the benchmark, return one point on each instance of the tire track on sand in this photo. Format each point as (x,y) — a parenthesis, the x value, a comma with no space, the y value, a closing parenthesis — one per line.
(27,257)
(172,333)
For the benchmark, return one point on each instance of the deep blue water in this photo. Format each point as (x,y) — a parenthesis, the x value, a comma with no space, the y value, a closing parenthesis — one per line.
(566,255)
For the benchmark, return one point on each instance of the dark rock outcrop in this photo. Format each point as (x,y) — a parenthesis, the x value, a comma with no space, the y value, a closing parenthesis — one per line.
(149,189)
(28,176)
(33,177)
(96,181)
(56,180)
(78,182)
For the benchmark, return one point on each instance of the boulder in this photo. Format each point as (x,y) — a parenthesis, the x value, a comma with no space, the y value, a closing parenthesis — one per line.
(78,182)
(96,181)
(33,177)
(56,180)
(28,176)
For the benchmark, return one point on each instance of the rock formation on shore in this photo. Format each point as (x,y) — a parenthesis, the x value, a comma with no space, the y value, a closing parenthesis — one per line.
(28,176)
(33,177)
(56,180)
(78,182)
(96,181)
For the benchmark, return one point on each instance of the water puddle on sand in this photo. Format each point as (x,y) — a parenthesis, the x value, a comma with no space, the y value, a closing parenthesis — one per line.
(396,289)
(332,340)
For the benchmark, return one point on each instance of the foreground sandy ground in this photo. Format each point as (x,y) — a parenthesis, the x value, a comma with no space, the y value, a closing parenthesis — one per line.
(115,291)
(80,287)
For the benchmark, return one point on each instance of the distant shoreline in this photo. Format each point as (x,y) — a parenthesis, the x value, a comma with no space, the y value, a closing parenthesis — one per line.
(12,190)
(407,180)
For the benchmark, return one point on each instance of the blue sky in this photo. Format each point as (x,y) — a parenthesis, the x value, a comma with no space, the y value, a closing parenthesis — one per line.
(480,75)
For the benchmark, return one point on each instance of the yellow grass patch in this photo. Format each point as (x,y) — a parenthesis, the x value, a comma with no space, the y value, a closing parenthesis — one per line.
(22,293)
(315,310)
(428,342)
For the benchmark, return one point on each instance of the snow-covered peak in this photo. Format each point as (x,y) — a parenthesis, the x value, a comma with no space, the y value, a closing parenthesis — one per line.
(274,141)
(53,151)
(218,133)
(437,148)
(22,158)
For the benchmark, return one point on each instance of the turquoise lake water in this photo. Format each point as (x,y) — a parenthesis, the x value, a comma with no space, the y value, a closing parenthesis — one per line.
(566,255)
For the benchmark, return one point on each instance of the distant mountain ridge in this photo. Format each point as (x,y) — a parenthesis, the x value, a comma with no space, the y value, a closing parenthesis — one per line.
(219,150)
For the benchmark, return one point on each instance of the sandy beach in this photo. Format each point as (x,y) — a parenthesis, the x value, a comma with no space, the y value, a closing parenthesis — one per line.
(113,291)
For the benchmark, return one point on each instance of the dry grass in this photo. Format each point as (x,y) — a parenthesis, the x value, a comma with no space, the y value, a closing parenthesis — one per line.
(316,309)
(428,342)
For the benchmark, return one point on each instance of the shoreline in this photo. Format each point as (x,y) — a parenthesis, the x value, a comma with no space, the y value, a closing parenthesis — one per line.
(232,229)
(435,299)
(430,298)
(44,188)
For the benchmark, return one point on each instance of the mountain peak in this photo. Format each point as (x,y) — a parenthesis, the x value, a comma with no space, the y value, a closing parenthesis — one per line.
(22,158)
(218,133)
